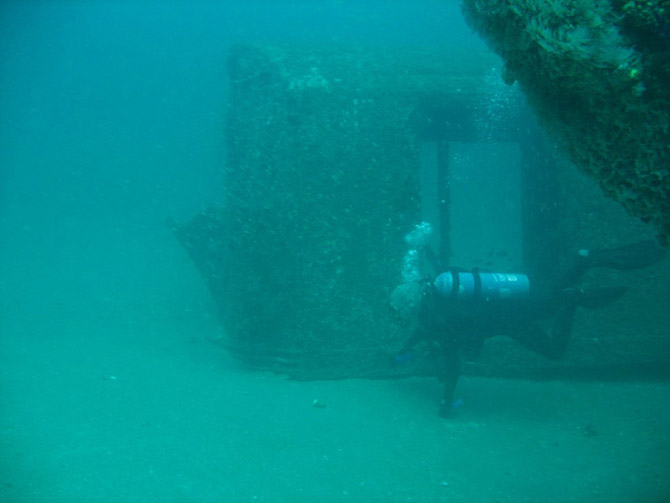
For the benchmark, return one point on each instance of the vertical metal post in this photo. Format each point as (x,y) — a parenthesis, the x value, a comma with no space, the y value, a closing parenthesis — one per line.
(443,203)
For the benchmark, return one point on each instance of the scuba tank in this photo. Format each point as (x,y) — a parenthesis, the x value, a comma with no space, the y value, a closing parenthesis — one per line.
(485,286)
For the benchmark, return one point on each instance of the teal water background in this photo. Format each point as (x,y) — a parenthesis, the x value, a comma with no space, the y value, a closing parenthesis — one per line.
(112,119)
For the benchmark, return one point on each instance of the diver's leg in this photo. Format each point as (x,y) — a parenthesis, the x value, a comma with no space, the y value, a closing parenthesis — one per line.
(630,256)
(627,257)
(573,275)
(562,330)
(594,298)
(550,345)
(536,339)
(554,344)
(451,371)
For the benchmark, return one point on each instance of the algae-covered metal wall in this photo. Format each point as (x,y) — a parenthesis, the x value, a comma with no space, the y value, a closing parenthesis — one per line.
(321,185)
(598,75)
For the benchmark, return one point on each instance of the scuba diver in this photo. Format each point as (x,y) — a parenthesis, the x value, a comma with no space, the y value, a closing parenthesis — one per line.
(459,310)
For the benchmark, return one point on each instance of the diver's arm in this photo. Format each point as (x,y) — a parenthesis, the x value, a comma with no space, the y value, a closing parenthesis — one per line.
(417,336)
(422,331)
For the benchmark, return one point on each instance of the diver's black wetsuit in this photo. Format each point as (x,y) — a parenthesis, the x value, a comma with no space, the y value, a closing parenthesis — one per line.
(451,326)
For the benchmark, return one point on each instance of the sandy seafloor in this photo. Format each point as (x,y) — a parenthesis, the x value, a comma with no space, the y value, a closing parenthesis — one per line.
(117,395)
(110,390)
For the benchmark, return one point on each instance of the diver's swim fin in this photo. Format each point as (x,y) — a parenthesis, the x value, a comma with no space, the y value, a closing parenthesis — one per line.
(594,298)
(632,256)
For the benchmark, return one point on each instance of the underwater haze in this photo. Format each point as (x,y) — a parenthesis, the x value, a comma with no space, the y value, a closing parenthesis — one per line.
(112,120)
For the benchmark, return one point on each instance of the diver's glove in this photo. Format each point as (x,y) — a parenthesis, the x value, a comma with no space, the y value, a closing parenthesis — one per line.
(403,358)
(447,409)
